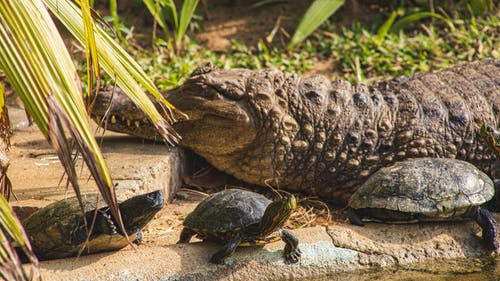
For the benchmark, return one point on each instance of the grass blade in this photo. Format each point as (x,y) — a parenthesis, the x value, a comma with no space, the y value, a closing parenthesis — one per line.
(171,13)
(405,21)
(382,31)
(155,9)
(316,14)
(188,8)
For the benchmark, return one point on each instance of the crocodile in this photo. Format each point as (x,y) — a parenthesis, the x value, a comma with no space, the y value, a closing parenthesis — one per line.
(321,137)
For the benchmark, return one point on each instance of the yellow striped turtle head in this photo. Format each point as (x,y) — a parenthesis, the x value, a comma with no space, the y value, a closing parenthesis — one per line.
(277,213)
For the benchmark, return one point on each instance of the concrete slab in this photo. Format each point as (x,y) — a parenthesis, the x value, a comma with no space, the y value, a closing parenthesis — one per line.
(136,167)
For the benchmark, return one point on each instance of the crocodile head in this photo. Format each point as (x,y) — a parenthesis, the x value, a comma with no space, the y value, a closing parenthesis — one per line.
(221,120)
(225,111)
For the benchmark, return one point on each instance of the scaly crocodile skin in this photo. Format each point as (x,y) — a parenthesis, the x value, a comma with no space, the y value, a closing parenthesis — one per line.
(320,137)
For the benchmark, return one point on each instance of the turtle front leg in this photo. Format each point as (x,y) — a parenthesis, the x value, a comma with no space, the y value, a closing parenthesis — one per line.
(354,217)
(292,252)
(186,235)
(228,249)
(487,223)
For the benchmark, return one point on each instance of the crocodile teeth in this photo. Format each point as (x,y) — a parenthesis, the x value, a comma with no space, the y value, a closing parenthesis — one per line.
(137,124)
(113,119)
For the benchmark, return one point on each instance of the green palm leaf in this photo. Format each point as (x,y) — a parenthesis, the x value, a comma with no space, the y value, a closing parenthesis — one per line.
(117,63)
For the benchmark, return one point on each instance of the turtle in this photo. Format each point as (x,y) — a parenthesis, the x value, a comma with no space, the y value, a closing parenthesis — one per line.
(58,230)
(236,217)
(426,189)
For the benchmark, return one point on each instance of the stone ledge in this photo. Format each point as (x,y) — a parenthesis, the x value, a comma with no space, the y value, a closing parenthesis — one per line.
(136,167)
(325,251)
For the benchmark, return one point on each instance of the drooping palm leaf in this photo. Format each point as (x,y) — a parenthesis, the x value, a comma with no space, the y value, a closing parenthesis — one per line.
(10,264)
(90,45)
(117,63)
(36,62)
(5,133)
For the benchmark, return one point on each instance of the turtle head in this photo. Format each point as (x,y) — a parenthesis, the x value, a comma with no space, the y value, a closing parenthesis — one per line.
(139,210)
(277,213)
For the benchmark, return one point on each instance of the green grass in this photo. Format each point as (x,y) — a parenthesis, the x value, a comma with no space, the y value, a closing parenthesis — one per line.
(358,53)
(362,58)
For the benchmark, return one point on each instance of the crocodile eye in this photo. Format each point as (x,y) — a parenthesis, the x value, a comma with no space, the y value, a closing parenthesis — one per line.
(211,94)
(314,96)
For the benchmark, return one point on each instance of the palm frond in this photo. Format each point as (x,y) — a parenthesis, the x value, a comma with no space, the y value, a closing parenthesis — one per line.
(117,63)
(36,62)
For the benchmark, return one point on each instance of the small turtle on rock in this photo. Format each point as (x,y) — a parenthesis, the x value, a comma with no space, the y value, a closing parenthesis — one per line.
(236,217)
(58,230)
(427,189)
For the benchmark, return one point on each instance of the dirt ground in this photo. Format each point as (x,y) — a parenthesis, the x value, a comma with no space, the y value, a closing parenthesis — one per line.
(222,21)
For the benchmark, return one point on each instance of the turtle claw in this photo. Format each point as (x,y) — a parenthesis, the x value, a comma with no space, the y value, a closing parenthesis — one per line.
(293,256)
(138,239)
(292,252)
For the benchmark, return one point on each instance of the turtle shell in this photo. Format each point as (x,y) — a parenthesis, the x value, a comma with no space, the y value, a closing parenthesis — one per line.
(434,187)
(51,228)
(227,211)
(58,230)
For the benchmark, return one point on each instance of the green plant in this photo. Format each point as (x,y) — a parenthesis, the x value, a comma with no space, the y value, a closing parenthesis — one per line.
(166,15)
(316,14)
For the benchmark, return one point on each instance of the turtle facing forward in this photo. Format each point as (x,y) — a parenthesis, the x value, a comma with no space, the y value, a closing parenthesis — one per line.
(237,217)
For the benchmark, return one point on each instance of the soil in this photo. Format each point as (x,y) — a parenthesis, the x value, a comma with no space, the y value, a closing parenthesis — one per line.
(220,22)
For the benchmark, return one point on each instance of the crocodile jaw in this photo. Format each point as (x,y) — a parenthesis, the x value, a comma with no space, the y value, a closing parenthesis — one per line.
(216,125)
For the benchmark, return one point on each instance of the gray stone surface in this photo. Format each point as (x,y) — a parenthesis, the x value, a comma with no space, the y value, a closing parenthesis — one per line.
(326,250)
(136,167)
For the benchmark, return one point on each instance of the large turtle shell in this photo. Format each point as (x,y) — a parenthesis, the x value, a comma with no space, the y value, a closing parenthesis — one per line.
(55,231)
(434,187)
(227,211)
